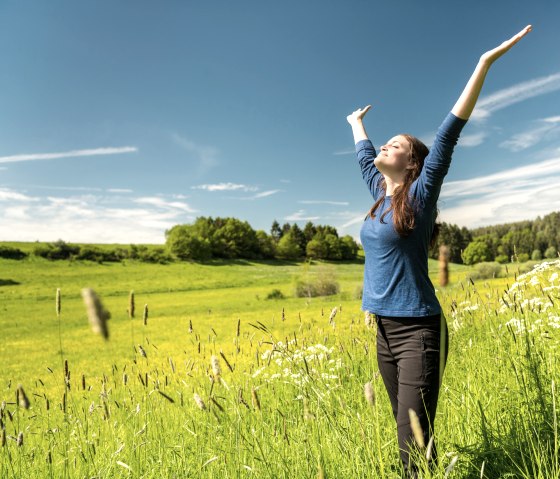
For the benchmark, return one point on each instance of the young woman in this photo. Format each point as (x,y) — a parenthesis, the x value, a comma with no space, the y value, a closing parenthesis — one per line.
(405,179)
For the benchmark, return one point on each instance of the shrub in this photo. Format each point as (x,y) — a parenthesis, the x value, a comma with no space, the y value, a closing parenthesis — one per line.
(487,271)
(522,257)
(536,255)
(57,250)
(275,294)
(9,252)
(550,253)
(502,258)
(323,285)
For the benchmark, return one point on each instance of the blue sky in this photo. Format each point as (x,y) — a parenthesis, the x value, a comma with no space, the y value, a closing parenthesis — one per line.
(119,119)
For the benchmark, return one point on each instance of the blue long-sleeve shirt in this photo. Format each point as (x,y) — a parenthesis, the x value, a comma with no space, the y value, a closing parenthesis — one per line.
(396,281)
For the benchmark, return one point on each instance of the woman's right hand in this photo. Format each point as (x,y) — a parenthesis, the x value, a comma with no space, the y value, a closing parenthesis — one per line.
(357,115)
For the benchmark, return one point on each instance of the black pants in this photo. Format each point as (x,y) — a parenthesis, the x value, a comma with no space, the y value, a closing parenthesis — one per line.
(411,353)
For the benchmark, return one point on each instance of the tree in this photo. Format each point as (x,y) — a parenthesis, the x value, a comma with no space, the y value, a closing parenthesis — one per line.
(476,252)
(275,231)
(317,249)
(267,245)
(288,247)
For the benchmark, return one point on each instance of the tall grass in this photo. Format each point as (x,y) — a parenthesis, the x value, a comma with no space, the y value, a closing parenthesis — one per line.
(255,396)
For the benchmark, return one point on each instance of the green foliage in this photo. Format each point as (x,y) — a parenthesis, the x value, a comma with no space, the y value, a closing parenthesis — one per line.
(536,255)
(551,253)
(288,247)
(275,294)
(57,250)
(9,252)
(476,252)
(487,270)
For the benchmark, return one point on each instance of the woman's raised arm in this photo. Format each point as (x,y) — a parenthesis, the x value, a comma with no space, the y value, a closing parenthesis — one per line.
(466,102)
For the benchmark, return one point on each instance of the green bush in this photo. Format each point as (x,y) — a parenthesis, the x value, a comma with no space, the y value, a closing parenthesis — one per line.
(9,252)
(275,294)
(536,255)
(522,257)
(487,271)
(550,253)
(502,258)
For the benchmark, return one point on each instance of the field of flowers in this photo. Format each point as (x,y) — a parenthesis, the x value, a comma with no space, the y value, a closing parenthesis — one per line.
(212,380)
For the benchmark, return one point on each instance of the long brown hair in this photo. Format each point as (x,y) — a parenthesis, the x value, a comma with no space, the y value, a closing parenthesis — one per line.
(403,210)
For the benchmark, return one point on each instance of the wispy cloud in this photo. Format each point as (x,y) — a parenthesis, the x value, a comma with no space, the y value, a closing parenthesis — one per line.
(473,139)
(545,129)
(89,217)
(301,216)
(512,195)
(207,156)
(225,187)
(515,94)
(68,154)
(118,190)
(162,203)
(262,194)
(347,151)
(323,202)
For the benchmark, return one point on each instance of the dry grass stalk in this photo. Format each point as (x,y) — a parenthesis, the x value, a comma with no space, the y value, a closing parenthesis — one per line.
(449,468)
(97,314)
(443,265)
(416,428)
(255,399)
(142,352)
(199,402)
(23,401)
(333,314)
(131,306)
(369,393)
(145,315)
(430,448)
(58,301)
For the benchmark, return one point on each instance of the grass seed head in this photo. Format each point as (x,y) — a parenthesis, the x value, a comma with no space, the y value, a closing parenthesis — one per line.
(416,428)
(255,399)
(199,402)
(23,401)
(97,314)
(216,368)
(58,301)
(145,315)
(19,440)
(369,393)
(131,307)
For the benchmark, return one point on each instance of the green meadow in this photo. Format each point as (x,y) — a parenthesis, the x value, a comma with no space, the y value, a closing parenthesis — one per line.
(223,382)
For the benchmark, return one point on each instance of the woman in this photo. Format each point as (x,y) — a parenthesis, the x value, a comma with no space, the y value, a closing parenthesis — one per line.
(405,179)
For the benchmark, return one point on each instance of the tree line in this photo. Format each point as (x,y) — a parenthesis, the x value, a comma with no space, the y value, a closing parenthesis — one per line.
(519,241)
(231,238)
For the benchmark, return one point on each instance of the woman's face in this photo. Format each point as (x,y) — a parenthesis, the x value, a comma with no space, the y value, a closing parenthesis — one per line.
(394,157)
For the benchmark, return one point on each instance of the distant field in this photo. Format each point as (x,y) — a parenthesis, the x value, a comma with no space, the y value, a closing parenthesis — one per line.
(137,416)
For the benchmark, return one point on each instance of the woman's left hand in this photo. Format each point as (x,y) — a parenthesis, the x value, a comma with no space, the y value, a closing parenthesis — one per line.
(492,55)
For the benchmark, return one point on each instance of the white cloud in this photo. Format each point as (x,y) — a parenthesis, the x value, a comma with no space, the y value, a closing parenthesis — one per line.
(324,202)
(546,129)
(512,195)
(89,218)
(515,94)
(68,154)
(118,190)
(300,216)
(474,139)
(225,187)
(161,203)
(263,194)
